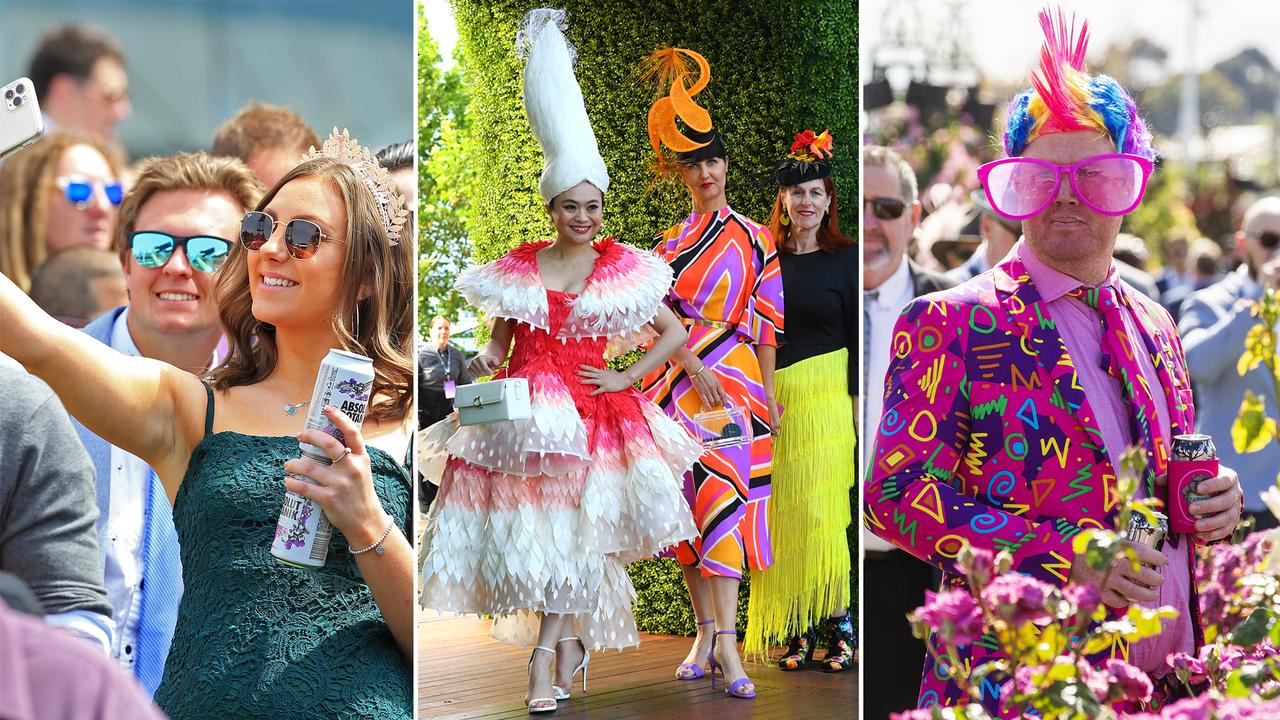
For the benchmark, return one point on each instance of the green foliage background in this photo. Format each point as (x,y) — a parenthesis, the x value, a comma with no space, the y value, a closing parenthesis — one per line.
(777,67)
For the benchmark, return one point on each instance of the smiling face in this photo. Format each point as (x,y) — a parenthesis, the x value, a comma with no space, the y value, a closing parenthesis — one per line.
(291,292)
(90,223)
(705,180)
(440,333)
(175,298)
(806,204)
(577,213)
(1067,235)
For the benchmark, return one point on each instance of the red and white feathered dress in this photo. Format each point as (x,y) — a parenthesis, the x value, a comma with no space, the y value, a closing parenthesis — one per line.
(542,515)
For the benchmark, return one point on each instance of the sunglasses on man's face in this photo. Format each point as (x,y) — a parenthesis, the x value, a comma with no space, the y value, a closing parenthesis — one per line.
(885,208)
(152,249)
(1268,240)
(301,237)
(79,191)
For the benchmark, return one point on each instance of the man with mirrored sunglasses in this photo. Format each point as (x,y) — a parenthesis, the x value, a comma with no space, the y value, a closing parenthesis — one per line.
(176,227)
(1213,325)
(1012,396)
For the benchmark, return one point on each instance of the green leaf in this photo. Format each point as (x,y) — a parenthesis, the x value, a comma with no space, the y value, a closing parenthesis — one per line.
(1235,685)
(1253,673)
(1252,430)
(1254,628)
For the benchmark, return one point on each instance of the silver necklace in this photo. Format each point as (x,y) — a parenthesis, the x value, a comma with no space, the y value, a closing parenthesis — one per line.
(292,408)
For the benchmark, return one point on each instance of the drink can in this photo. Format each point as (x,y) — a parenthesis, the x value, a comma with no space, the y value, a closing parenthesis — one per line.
(1143,532)
(303,532)
(1192,459)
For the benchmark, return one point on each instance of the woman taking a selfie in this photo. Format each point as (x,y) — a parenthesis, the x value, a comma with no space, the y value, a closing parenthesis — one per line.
(316,267)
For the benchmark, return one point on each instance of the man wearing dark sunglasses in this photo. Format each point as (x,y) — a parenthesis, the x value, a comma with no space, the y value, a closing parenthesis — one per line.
(176,227)
(1013,396)
(890,280)
(1213,326)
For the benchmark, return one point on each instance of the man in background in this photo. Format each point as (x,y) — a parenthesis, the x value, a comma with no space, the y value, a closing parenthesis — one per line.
(1213,326)
(79,284)
(270,139)
(79,76)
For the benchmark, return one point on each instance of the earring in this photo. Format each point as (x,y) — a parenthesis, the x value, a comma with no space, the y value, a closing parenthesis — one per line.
(784,220)
(357,333)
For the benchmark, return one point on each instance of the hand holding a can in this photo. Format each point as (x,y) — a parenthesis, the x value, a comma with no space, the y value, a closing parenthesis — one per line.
(1217,509)
(344,490)
(1121,585)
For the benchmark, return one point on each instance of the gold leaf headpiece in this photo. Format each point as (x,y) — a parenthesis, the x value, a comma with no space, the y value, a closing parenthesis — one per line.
(343,148)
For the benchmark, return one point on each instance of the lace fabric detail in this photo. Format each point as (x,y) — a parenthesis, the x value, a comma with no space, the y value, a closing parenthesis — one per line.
(256,638)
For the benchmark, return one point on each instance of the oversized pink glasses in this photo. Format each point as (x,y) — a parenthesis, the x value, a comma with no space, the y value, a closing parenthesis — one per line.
(1110,184)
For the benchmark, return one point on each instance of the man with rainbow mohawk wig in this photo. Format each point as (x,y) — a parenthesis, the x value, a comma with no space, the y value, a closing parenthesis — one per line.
(1011,397)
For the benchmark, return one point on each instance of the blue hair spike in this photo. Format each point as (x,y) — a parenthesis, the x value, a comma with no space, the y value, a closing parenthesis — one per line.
(1019,124)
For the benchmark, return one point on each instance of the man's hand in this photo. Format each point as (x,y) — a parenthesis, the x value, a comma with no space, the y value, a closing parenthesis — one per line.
(1219,513)
(1124,585)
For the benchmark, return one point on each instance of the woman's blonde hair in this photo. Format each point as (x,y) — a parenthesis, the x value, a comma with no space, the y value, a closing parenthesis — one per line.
(384,331)
(25,181)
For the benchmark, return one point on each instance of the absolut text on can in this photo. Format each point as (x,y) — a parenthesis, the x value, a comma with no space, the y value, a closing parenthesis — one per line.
(303,532)
(1192,459)
(1141,531)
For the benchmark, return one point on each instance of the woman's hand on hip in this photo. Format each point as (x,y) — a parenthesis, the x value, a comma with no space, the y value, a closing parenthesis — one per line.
(344,489)
(604,379)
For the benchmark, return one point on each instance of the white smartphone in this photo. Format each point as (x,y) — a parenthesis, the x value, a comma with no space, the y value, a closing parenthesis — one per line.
(20,120)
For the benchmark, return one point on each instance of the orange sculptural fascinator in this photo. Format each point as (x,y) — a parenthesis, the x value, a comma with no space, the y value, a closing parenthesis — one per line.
(680,74)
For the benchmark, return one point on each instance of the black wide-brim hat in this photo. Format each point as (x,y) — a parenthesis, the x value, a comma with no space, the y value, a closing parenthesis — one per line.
(792,172)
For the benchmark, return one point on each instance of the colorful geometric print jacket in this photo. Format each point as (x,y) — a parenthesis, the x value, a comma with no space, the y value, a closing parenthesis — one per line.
(987,437)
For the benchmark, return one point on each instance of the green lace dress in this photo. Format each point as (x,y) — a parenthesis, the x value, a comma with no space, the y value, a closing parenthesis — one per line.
(259,639)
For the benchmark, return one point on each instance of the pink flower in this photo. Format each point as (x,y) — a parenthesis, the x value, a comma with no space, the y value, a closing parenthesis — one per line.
(1132,683)
(954,614)
(1085,598)
(978,564)
(1194,666)
(917,714)
(1019,599)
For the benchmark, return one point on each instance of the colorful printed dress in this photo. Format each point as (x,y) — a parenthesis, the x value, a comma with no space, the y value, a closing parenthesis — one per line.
(727,288)
(542,515)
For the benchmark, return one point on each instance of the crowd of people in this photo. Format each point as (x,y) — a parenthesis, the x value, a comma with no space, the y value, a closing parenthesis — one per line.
(1001,394)
(165,319)
(733,455)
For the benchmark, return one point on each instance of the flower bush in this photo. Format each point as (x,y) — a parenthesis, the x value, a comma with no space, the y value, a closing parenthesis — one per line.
(1046,634)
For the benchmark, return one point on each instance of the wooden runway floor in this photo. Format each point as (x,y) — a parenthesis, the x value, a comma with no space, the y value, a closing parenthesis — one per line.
(463,673)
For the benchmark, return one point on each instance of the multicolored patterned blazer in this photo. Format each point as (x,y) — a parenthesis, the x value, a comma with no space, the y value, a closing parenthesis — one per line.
(987,437)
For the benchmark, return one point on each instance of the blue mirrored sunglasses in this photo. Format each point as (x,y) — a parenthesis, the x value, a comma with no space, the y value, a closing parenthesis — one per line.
(153,249)
(80,190)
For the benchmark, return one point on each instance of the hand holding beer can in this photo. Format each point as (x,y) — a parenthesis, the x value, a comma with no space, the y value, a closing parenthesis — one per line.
(345,381)
(1192,459)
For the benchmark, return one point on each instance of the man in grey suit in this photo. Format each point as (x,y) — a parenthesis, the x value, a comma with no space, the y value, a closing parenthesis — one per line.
(1213,327)
(176,226)
(895,582)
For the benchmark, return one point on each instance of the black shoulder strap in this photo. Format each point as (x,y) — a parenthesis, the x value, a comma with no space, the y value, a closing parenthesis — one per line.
(208,410)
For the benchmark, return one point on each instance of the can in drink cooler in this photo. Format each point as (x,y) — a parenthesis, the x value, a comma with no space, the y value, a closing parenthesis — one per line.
(1192,459)
(303,532)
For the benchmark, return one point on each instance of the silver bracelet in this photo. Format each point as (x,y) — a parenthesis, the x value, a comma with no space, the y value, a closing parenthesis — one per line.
(378,545)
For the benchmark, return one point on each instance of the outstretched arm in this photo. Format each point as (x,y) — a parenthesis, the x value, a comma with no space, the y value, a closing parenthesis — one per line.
(147,407)
(495,351)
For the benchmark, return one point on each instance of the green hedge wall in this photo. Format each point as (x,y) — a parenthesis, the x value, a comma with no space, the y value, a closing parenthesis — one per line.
(777,67)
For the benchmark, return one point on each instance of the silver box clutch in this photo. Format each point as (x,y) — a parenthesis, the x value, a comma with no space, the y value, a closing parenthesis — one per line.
(494,401)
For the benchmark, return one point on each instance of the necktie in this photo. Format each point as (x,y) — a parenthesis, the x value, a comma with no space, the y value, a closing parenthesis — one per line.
(1120,362)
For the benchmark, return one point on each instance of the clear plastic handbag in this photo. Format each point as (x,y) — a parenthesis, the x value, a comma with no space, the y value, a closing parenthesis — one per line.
(722,427)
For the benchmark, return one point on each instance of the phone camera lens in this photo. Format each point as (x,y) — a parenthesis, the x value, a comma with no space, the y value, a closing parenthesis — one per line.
(17,101)
(8,94)
(20,89)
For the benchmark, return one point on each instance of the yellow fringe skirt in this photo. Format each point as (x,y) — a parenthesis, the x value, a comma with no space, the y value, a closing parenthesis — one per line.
(813,471)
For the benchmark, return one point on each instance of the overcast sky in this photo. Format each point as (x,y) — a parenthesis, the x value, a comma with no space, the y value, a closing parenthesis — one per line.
(1005,34)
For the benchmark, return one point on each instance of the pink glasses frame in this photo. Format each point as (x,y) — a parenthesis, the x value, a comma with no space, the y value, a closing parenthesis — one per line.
(985,169)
